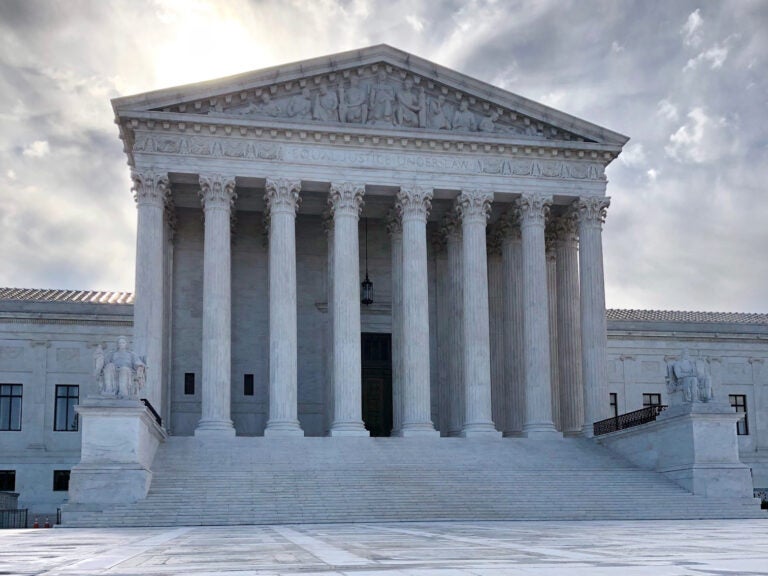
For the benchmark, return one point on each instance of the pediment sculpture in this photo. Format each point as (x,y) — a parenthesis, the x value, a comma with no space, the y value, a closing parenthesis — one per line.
(120,373)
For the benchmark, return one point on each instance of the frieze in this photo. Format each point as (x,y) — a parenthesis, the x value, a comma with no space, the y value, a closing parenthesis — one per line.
(241,149)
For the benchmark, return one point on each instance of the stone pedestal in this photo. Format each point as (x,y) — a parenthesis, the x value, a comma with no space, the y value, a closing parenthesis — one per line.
(694,445)
(119,441)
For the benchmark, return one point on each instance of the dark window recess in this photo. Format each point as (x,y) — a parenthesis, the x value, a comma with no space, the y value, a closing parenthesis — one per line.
(189,383)
(248,384)
(60,480)
(10,407)
(614,404)
(651,400)
(7,480)
(739,404)
(67,397)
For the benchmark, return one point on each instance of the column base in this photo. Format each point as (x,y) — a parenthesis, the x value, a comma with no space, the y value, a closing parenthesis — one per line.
(513,434)
(480,430)
(339,429)
(215,429)
(283,428)
(419,431)
(542,433)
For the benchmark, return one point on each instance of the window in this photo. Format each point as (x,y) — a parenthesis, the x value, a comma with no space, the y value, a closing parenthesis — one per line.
(67,397)
(60,480)
(7,480)
(651,400)
(614,404)
(739,403)
(248,385)
(10,407)
(189,383)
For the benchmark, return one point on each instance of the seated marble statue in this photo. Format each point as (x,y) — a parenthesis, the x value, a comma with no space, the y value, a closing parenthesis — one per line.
(120,374)
(691,377)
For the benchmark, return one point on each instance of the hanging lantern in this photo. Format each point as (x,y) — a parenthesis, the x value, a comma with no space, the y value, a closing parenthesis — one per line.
(366,286)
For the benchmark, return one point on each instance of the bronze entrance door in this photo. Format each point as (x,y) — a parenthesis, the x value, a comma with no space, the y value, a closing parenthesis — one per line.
(377,383)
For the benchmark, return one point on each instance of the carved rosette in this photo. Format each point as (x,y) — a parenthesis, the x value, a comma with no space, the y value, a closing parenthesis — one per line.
(394,223)
(591,211)
(150,187)
(414,202)
(282,195)
(217,192)
(450,227)
(474,205)
(346,198)
(533,209)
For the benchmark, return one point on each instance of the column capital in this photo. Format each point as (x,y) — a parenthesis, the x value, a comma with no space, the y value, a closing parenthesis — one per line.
(509,225)
(346,198)
(533,209)
(474,205)
(494,236)
(282,195)
(394,222)
(150,187)
(591,211)
(328,221)
(566,227)
(450,227)
(414,202)
(217,191)
(550,240)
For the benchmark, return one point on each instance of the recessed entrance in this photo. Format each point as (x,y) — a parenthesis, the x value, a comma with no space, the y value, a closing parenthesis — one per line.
(377,383)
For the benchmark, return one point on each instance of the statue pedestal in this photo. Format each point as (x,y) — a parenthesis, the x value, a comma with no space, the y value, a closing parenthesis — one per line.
(119,441)
(692,444)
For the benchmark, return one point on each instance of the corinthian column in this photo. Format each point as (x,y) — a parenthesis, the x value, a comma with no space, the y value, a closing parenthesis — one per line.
(282,199)
(346,202)
(554,374)
(413,204)
(218,195)
(569,327)
(594,338)
(514,338)
(151,193)
(451,230)
(395,229)
(473,207)
(538,393)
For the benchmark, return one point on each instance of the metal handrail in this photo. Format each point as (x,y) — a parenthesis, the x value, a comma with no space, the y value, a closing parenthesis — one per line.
(148,404)
(628,420)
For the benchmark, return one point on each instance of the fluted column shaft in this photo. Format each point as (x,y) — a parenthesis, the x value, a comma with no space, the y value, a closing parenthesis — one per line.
(395,229)
(474,207)
(218,195)
(514,340)
(282,200)
(569,328)
(151,192)
(455,319)
(538,393)
(594,337)
(413,204)
(346,201)
(554,368)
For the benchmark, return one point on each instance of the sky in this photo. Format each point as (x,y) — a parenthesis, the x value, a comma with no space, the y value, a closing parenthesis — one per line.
(687,81)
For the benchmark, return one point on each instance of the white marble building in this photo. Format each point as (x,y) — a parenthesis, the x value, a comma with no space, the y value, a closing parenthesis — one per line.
(263,201)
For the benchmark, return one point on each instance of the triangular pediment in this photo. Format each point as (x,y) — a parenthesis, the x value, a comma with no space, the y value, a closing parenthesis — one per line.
(377,87)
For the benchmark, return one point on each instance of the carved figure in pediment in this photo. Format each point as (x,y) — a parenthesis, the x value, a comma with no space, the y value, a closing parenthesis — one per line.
(464,119)
(382,101)
(353,106)
(488,123)
(267,106)
(300,105)
(438,117)
(326,105)
(411,108)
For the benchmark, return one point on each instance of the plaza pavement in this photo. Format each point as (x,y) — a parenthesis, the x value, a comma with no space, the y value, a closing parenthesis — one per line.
(668,548)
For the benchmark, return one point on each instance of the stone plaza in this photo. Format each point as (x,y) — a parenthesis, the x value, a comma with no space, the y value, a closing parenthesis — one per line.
(366,285)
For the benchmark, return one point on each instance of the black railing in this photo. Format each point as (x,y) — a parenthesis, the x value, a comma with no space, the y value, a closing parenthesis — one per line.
(628,420)
(13,518)
(148,404)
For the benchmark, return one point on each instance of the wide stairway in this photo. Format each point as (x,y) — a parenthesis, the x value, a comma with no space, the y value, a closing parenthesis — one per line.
(314,480)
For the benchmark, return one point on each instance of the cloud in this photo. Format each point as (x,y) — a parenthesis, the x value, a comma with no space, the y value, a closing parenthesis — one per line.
(667,110)
(714,56)
(37,149)
(691,30)
(415,22)
(700,139)
(633,155)
(652,174)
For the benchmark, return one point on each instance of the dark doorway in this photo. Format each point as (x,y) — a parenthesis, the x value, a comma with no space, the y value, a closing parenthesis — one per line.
(377,383)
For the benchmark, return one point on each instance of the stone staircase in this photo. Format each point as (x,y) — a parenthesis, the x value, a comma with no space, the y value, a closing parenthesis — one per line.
(314,480)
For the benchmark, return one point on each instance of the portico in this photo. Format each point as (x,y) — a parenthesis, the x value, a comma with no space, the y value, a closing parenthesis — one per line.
(236,279)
